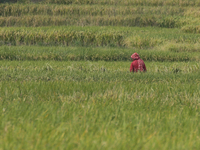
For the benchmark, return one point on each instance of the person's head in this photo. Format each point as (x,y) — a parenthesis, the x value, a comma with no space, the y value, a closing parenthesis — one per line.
(135,56)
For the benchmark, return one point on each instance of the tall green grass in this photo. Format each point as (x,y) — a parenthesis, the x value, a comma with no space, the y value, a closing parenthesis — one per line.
(191,29)
(56,53)
(115,14)
(96,71)
(95,36)
(92,105)
(119,20)
(95,15)
(69,87)
(91,10)
(50,115)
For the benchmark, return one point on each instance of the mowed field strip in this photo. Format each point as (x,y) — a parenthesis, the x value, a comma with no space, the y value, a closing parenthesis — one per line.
(65,81)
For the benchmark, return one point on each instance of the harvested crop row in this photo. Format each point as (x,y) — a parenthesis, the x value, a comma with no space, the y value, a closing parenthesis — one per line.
(92,10)
(133,20)
(117,2)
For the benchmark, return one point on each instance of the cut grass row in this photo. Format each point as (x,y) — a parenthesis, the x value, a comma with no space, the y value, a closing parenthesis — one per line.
(96,36)
(22,53)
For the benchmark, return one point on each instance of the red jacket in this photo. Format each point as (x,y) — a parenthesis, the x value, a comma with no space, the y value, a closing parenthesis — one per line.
(137,64)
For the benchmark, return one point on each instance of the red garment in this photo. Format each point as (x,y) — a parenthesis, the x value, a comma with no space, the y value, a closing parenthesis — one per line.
(135,56)
(137,64)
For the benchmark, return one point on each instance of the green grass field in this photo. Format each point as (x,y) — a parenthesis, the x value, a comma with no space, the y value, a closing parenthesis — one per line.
(99,105)
(65,80)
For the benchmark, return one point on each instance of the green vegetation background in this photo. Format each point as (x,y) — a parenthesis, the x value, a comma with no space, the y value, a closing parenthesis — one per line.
(65,80)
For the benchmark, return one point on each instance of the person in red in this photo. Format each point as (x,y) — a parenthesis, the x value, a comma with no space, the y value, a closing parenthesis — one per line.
(137,64)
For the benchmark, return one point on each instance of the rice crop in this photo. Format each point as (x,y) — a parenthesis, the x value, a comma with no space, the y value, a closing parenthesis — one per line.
(57,53)
(92,15)
(94,36)
(85,14)
(89,105)
(65,81)
(116,2)
(191,29)
(119,20)
(95,71)
(184,47)
(91,10)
